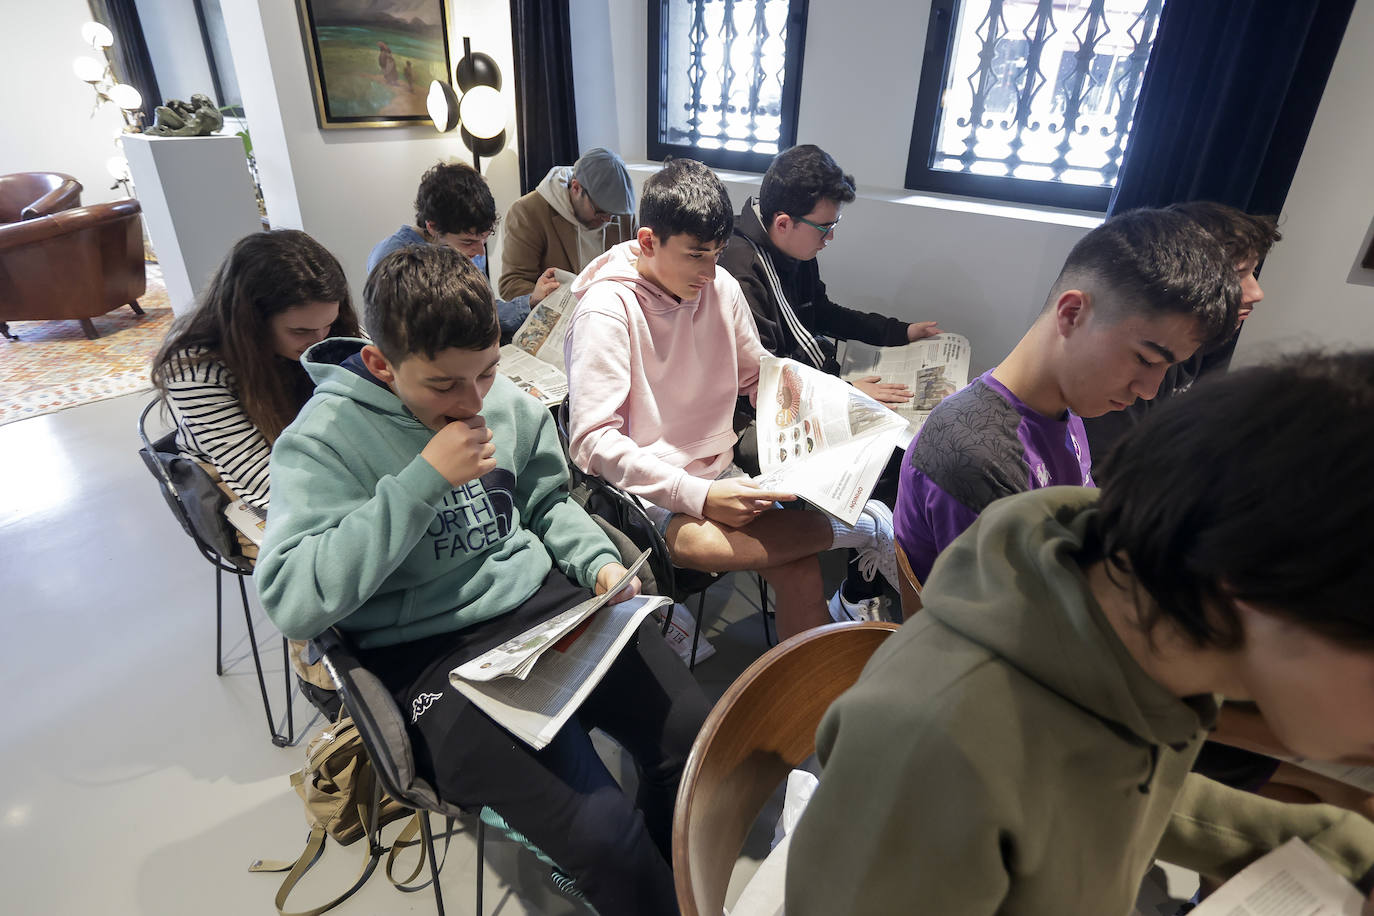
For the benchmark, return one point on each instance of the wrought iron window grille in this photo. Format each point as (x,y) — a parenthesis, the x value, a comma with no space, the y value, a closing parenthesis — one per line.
(724,79)
(1029,100)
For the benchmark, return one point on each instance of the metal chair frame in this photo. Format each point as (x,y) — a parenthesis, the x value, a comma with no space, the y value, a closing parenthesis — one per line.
(239,567)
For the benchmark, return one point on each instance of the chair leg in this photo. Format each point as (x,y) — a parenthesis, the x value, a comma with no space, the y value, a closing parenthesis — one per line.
(89,327)
(138,309)
(696,633)
(219,622)
(277,739)
(286,680)
(5,330)
(433,865)
(481,854)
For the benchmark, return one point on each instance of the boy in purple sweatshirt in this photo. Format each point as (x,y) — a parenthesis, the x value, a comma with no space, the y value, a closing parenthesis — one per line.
(659,349)
(1138,294)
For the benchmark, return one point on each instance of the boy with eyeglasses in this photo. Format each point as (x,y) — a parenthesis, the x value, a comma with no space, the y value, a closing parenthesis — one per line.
(773,256)
(454,207)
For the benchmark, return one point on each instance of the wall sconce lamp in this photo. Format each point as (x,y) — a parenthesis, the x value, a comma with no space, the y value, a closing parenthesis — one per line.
(477,109)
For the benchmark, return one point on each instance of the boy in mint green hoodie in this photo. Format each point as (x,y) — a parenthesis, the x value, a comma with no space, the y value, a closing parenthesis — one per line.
(420,504)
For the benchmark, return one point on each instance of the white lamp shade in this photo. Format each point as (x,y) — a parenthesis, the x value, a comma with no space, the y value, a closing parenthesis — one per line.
(482,113)
(442,105)
(88,69)
(126,97)
(118,167)
(96,35)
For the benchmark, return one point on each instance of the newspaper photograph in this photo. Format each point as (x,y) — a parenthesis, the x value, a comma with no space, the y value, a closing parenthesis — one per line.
(535,708)
(821,438)
(933,369)
(542,333)
(546,384)
(517,656)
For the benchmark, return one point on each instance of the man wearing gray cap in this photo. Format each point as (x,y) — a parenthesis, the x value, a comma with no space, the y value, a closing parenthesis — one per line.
(575,214)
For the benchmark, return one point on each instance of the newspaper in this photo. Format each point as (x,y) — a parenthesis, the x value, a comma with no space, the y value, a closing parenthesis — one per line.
(251,522)
(534,357)
(1290,881)
(534,707)
(933,368)
(820,438)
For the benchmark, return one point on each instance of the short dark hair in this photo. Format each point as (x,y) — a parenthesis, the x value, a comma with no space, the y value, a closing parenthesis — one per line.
(1155,263)
(1242,235)
(1254,486)
(686,197)
(455,197)
(801,177)
(427,299)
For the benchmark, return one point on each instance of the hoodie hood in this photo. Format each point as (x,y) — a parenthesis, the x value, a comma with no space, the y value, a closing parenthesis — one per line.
(618,265)
(334,370)
(993,585)
(554,189)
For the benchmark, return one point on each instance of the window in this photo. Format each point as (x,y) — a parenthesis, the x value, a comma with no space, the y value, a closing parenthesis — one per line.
(724,78)
(1029,100)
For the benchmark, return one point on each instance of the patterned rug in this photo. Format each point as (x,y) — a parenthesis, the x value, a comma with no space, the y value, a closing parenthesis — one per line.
(52,366)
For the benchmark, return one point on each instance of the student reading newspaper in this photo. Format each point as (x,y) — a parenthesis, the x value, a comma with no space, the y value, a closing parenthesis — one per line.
(420,505)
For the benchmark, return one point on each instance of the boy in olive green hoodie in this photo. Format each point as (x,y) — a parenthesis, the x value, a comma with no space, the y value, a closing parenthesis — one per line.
(420,504)
(1024,745)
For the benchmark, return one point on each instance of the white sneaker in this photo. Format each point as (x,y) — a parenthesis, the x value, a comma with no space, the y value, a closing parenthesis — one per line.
(842,609)
(881,557)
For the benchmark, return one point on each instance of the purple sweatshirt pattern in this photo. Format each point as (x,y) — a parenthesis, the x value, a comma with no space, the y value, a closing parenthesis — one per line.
(977,446)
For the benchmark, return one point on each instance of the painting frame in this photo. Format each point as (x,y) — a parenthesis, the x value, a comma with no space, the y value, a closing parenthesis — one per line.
(346,91)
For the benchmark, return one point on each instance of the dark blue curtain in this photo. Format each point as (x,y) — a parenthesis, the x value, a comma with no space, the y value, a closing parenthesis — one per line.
(1227,101)
(545,109)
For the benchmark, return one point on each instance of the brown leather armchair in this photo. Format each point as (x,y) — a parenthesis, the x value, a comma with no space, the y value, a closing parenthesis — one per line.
(73,264)
(25,195)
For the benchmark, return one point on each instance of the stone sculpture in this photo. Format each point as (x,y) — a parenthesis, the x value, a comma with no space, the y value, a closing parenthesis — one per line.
(196,118)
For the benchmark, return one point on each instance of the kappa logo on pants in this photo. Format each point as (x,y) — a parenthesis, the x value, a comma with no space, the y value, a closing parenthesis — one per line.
(421,704)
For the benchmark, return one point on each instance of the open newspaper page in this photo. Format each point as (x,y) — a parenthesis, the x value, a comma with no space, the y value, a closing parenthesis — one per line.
(1290,881)
(821,438)
(933,368)
(536,707)
(517,656)
(534,357)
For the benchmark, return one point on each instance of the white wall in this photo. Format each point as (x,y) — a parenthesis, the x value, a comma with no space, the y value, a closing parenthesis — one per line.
(47,123)
(1315,291)
(979,268)
(352,188)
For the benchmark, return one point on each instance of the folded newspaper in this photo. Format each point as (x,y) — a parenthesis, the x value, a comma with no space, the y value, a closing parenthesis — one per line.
(933,368)
(250,521)
(534,357)
(531,684)
(821,438)
(1292,880)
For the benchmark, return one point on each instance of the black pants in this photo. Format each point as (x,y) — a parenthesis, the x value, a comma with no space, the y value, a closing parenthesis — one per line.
(562,797)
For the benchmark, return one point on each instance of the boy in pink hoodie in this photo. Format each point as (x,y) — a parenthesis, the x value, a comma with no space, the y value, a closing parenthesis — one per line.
(658,350)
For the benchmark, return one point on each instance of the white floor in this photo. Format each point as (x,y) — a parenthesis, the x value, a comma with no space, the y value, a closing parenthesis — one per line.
(135,780)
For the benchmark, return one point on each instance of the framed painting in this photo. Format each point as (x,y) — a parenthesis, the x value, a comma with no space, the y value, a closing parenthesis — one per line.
(371,61)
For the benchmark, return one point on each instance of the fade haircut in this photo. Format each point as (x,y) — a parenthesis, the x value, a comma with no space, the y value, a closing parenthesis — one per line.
(455,197)
(686,198)
(1242,235)
(798,179)
(1155,263)
(1199,501)
(426,299)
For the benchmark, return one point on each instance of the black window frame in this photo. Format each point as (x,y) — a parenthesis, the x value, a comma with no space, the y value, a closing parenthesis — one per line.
(733,160)
(939,44)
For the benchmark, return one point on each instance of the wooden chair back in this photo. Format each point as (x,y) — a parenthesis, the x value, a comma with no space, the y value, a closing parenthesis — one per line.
(762,728)
(911,586)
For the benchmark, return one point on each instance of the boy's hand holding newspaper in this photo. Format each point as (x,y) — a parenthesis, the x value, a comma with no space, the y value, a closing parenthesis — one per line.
(883,392)
(547,283)
(737,501)
(607,578)
(462,451)
(920,330)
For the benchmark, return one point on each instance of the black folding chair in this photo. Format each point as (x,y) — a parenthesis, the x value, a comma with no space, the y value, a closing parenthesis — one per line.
(198,505)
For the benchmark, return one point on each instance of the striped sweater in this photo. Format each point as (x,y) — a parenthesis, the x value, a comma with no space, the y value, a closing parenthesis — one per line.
(212,427)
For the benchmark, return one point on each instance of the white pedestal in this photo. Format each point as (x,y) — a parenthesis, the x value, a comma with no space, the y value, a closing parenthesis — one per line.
(197,199)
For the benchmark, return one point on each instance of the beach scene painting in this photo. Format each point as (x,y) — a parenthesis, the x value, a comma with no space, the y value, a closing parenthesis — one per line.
(372,60)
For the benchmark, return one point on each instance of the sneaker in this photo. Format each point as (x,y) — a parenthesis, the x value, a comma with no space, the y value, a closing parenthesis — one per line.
(842,609)
(881,556)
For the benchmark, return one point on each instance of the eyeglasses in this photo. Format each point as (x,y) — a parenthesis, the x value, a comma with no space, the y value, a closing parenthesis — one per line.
(823,228)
